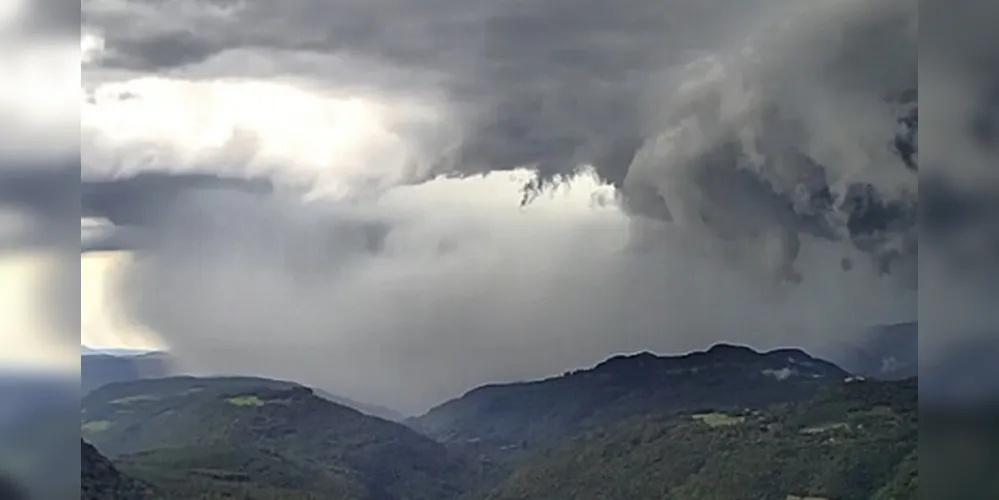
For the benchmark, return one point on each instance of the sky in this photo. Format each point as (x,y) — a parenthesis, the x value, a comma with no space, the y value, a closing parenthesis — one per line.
(40,142)
(399,201)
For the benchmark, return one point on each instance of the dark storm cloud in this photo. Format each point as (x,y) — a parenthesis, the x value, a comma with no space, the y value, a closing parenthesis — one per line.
(138,199)
(556,84)
(112,239)
(788,150)
(47,196)
(749,153)
(550,84)
(46,189)
(162,50)
(136,206)
(56,198)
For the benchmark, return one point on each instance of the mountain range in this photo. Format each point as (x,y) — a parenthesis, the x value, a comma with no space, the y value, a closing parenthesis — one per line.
(266,439)
(99,368)
(727,423)
(855,441)
(514,417)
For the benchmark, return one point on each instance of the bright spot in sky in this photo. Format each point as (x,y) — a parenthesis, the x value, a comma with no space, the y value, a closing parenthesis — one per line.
(29,340)
(102,325)
(91,46)
(249,128)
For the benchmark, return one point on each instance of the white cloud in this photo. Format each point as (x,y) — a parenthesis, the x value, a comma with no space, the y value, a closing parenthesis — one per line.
(341,142)
(39,96)
(91,46)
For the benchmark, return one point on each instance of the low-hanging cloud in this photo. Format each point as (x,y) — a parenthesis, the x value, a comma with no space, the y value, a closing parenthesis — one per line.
(443,286)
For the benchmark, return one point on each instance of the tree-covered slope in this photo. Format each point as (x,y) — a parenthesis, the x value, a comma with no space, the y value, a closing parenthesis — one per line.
(101,480)
(512,417)
(728,423)
(276,438)
(856,442)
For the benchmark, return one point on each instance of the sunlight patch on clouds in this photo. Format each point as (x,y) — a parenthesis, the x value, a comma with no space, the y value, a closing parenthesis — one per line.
(29,340)
(336,142)
(91,47)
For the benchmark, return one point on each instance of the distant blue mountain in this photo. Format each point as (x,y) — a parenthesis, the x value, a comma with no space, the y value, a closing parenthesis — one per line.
(368,409)
(99,368)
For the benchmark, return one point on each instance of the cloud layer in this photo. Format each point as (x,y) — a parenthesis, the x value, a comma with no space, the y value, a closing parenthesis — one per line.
(685,106)
(447,285)
(737,170)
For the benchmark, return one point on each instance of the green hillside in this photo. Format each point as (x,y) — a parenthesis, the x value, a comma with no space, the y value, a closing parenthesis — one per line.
(101,480)
(517,419)
(255,439)
(856,442)
(274,439)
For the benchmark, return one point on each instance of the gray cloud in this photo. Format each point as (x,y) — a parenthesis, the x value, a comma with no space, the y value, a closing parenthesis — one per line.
(546,84)
(167,49)
(134,206)
(47,189)
(142,197)
(555,85)
(44,20)
(793,151)
(45,197)
(54,17)
(422,294)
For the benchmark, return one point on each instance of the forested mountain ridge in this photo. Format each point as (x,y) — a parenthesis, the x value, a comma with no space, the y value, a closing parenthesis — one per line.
(726,423)
(511,417)
(857,441)
(273,435)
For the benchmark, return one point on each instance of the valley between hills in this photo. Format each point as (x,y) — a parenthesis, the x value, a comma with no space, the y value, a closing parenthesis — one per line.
(725,423)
